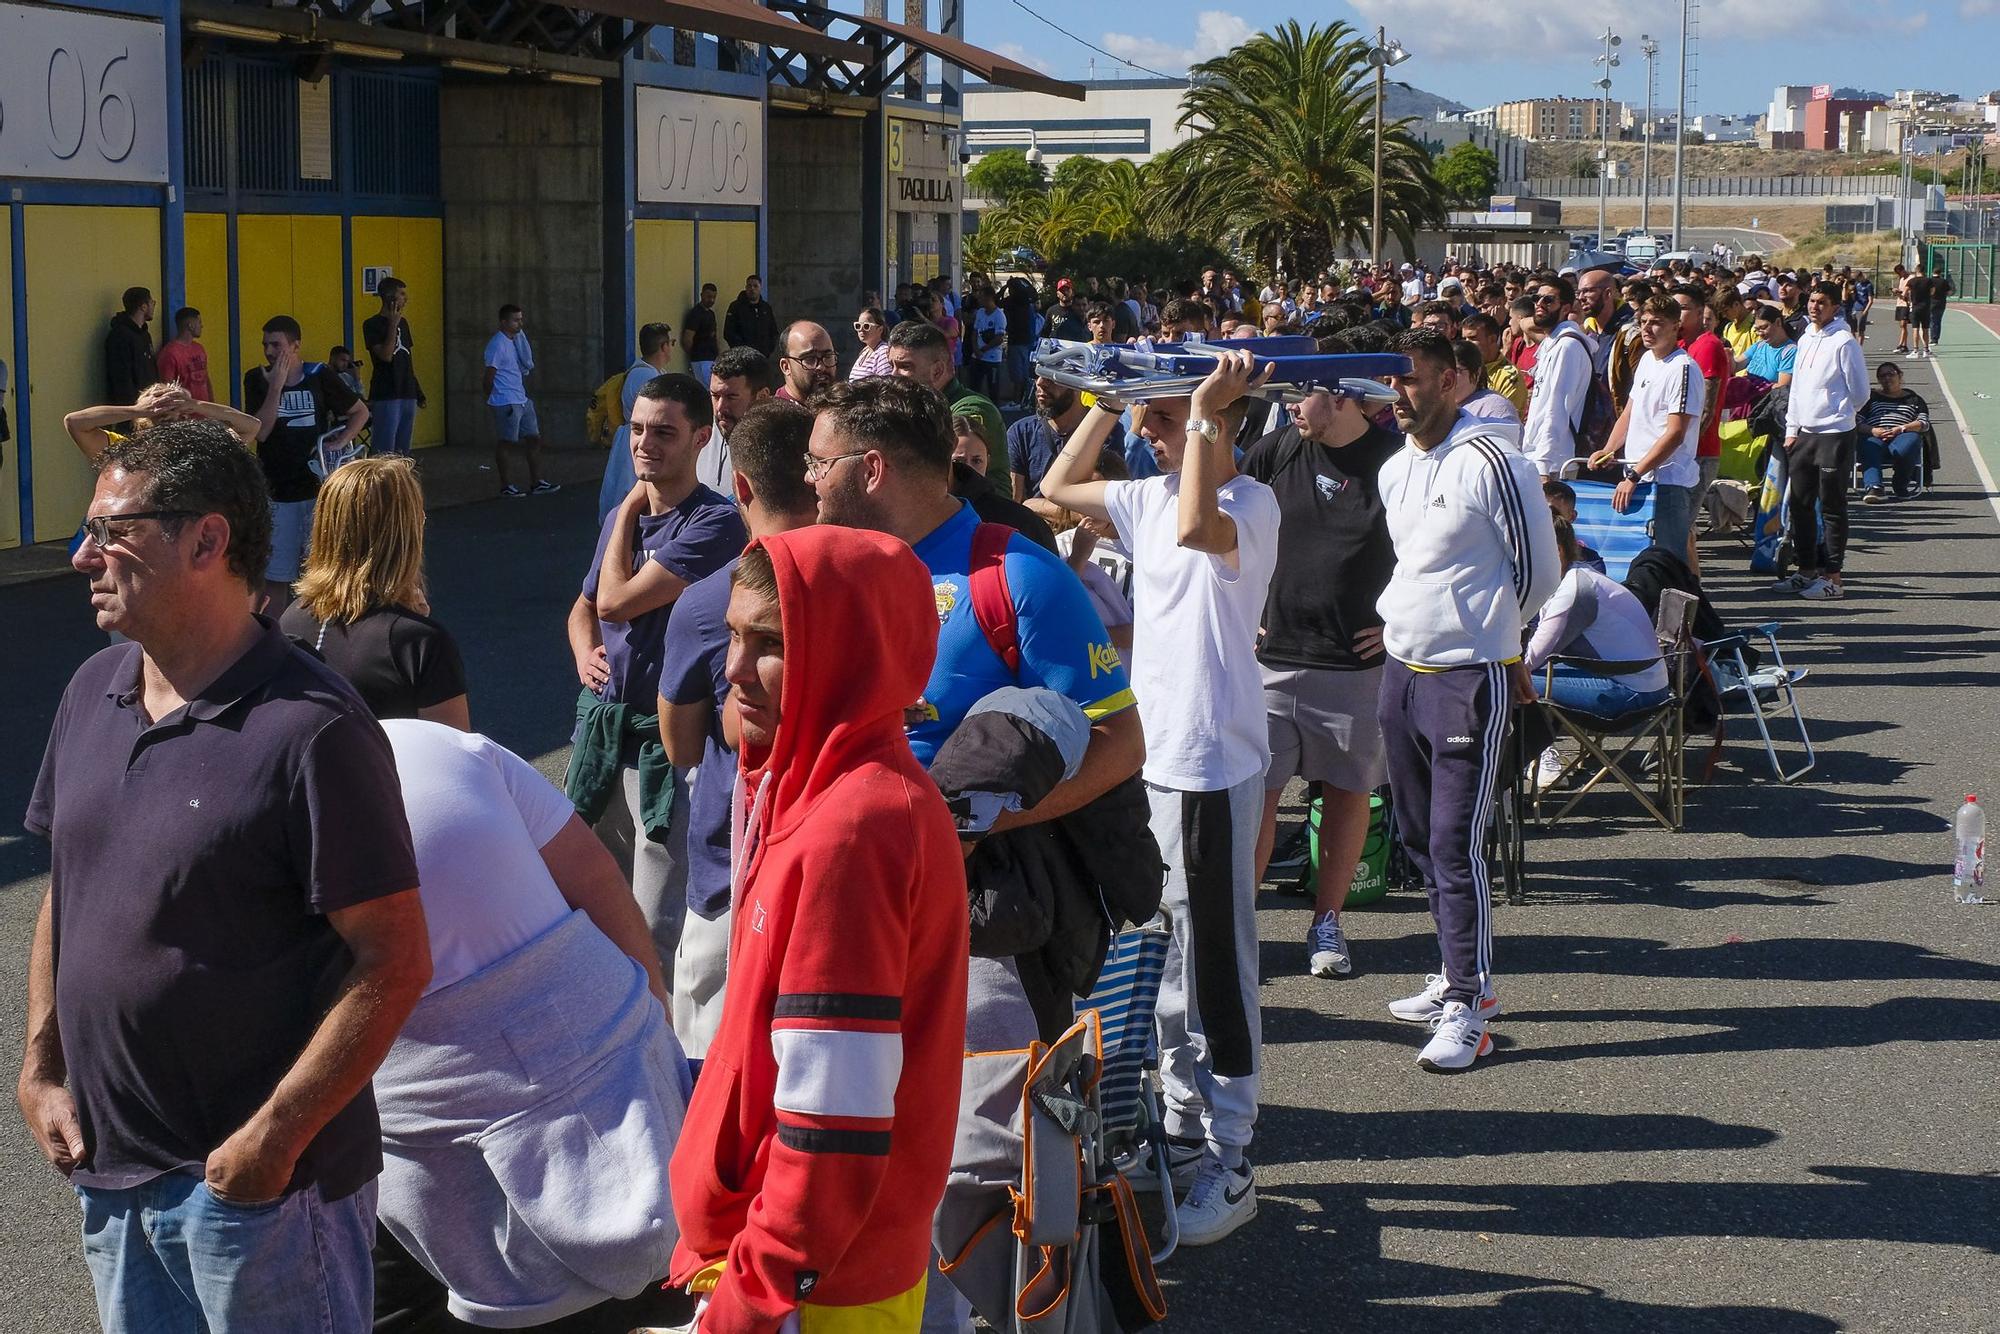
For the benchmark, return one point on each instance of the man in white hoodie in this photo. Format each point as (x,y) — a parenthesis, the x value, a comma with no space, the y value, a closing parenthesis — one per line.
(1829,387)
(1475,558)
(1565,361)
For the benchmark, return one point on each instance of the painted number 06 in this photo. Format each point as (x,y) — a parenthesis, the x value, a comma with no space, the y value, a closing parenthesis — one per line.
(72,111)
(728,154)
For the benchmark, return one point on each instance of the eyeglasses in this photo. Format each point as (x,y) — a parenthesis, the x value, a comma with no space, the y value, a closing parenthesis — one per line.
(98,527)
(818,466)
(864,326)
(824,357)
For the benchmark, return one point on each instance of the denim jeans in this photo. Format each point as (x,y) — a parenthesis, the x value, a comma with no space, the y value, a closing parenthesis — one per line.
(1673,517)
(390,421)
(1582,691)
(169,1257)
(1900,452)
(1020,368)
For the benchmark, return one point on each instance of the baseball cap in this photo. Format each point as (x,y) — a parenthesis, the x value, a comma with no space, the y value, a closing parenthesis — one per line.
(1064,285)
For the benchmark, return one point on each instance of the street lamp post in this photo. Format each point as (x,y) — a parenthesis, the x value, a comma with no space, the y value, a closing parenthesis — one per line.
(1610,62)
(1651,50)
(1382,55)
(1680,128)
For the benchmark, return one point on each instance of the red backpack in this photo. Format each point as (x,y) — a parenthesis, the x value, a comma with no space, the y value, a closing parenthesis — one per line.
(992,601)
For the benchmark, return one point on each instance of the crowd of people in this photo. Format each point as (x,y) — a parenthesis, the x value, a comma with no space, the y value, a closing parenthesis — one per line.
(890,713)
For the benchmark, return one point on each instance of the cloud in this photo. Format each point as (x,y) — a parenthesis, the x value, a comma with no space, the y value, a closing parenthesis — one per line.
(1556,35)
(1978,9)
(1020,55)
(1216,32)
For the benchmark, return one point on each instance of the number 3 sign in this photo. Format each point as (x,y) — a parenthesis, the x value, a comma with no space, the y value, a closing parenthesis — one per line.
(82,96)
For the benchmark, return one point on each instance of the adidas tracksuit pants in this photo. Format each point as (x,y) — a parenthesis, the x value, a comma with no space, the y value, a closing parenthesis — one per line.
(1446,737)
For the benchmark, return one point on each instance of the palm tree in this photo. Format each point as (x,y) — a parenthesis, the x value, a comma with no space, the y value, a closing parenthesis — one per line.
(1283,151)
(1044,222)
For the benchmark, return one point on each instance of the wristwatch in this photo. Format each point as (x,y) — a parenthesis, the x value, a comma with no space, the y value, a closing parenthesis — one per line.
(1207,428)
(1631,474)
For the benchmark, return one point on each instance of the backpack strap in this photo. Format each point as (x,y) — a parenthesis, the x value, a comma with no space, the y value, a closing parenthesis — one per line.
(992,602)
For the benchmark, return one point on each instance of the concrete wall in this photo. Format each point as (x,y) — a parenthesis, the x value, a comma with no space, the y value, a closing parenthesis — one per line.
(524,223)
(816,204)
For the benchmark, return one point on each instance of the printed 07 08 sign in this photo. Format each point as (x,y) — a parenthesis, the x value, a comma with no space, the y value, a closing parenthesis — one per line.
(696,149)
(82,96)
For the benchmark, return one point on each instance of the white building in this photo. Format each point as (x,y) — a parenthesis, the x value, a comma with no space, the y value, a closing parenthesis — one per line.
(1724,129)
(1788,109)
(1446,132)
(1130,119)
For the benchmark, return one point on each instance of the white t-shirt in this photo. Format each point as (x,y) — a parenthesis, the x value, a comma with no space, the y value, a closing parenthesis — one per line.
(994,321)
(1659,390)
(511,361)
(1194,633)
(479,817)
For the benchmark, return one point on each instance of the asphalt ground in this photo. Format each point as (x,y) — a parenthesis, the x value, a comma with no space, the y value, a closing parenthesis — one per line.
(1746,1077)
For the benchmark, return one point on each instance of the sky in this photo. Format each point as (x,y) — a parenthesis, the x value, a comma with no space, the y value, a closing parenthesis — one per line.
(1483,51)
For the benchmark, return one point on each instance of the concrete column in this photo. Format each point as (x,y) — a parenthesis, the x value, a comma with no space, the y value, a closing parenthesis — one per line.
(525,205)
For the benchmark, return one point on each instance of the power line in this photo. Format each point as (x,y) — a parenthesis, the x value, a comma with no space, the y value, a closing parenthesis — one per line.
(1092,45)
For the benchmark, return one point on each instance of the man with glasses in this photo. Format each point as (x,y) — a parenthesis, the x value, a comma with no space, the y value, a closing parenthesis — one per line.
(1772,358)
(1565,361)
(232,936)
(806,363)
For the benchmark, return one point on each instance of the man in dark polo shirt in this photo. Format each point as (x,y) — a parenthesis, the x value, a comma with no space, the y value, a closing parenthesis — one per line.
(669,532)
(232,935)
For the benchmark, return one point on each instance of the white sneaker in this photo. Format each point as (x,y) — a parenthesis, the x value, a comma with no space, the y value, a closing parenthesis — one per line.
(1822,590)
(1911,355)
(1184,1160)
(1220,1201)
(1326,947)
(1791,583)
(1549,769)
(1458,1038)
(1428,1003)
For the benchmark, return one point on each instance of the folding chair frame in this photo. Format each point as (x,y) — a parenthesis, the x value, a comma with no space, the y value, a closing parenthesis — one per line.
(1737,678)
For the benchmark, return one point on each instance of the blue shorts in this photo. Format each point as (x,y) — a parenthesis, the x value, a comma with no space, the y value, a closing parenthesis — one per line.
(514,422)
(291,537)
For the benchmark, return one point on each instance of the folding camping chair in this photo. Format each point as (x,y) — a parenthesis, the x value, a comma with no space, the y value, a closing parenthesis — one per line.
(1654,734)
(1125,999)
(1764,689)
(1617,537)
(1506,827)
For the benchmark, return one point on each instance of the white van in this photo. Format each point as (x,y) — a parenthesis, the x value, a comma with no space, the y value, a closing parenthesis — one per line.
(1642,250)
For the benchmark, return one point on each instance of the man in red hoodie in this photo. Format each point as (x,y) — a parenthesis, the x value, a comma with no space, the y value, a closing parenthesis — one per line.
(816,1147)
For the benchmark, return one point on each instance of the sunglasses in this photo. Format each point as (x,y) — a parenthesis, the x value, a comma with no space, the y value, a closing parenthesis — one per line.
(100,531)
(864,326)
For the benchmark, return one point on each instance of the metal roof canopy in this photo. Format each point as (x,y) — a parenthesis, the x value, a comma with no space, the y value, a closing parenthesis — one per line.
(884,35)
(740,19)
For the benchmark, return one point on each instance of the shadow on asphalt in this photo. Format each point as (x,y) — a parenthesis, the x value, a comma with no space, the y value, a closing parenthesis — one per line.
(1306,1135)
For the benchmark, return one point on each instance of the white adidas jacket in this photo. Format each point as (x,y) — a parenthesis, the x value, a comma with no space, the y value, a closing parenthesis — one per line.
(1475,549)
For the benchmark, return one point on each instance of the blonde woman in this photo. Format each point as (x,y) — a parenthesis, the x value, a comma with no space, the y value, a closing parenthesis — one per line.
(360,599)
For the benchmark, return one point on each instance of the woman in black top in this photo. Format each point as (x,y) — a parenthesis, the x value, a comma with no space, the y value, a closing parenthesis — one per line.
(361,604)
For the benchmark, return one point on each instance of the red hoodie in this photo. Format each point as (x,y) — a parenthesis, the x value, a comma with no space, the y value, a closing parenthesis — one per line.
(817,1143)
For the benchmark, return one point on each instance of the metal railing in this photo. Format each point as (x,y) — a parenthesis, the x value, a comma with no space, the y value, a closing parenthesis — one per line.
(1712,187)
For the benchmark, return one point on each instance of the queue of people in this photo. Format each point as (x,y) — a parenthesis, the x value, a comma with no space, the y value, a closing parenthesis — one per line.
(889,714)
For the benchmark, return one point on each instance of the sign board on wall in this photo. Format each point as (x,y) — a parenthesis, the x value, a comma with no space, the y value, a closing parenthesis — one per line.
(82,96)
(316,130)
(698,149)
(923,168)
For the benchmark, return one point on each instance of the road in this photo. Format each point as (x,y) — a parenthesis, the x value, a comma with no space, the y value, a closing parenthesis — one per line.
(1745,1080)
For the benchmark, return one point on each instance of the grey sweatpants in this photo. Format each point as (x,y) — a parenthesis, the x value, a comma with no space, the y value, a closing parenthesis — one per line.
(658,871)
(1211,1033)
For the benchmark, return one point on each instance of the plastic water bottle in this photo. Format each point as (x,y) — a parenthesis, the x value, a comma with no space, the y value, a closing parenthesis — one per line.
(1968,868)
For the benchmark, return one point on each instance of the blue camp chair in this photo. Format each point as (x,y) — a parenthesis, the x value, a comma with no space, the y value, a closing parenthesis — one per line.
(1619,538)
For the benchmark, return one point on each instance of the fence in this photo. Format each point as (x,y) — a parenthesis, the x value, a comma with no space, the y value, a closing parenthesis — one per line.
(1971,267)
(1715,187)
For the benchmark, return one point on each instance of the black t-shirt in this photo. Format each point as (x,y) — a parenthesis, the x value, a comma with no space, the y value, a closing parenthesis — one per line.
(196,861)
(1334,554)
(1920,293)
(700,321)
(394,378)
(306,412)
(397,660)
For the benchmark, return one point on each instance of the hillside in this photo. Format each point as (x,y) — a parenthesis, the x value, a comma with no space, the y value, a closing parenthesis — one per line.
(1564,159)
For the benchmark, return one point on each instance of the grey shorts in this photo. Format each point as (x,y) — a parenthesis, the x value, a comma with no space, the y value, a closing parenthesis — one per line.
(515,421)
(1323,727)
(291,534)
(1710,470)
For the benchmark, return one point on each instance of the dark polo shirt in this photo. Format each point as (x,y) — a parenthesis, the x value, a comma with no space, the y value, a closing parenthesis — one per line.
(194,863)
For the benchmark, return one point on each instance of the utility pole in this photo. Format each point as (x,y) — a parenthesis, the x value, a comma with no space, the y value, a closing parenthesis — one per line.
(1610,62)
(1680,129)
(1382,55)
(1651,50)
